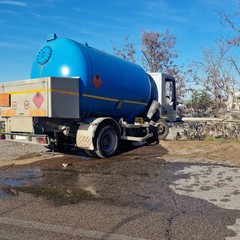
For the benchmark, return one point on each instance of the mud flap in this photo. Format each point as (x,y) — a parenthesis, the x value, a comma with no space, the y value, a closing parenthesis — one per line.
(87,130)
(85,135)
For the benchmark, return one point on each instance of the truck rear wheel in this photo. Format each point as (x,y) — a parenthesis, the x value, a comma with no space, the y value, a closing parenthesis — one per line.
(90,153)
(107,141)
(162,129)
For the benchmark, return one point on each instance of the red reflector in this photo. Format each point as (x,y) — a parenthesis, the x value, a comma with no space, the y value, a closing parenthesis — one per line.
(2,136)
(42,140)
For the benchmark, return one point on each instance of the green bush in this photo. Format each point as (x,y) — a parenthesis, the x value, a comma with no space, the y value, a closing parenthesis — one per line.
(221,140)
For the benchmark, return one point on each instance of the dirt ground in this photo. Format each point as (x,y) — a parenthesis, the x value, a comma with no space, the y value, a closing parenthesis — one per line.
(174,190)
(227,153)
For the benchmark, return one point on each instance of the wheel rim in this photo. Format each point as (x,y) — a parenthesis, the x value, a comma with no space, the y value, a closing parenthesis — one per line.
(108,142)
(161,128)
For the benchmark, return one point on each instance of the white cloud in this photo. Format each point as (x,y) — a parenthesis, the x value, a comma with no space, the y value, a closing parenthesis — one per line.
(162,10)
(16,3)
(11,45)
(77,9)
(215,3)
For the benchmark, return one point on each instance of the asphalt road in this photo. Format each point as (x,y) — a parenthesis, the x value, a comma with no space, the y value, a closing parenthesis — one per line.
(137,195)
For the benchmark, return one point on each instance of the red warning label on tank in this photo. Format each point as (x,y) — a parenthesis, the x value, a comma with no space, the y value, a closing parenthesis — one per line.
(38,99)
(97,81)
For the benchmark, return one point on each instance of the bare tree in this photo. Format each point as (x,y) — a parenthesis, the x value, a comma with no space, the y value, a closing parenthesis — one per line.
(157,55)
(232,20)
(215,72)
(158,51)
(128,49)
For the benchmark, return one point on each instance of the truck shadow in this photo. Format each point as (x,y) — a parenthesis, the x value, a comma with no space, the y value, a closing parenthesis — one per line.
(125,148)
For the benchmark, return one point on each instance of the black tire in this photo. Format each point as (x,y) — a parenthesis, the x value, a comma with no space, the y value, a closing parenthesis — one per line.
(154,139)
(59,147)
(90,153)
(107,141)
(162,129)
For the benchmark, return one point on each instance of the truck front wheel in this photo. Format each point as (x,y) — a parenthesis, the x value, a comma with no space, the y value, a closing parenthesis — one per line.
(162,129)
(107,141)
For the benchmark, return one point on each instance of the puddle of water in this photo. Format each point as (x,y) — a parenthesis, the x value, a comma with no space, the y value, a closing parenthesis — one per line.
(12,178)
(55,185)
(57,195)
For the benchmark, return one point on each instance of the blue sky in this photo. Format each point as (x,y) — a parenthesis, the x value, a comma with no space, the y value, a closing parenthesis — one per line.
(24,25)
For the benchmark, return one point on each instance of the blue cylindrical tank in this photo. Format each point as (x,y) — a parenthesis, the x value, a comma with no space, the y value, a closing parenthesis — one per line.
(109,85)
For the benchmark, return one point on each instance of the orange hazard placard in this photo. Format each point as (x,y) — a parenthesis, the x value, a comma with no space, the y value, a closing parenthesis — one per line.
(5,99)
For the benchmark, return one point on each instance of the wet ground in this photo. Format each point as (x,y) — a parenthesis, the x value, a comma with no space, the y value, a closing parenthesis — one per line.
(138,194)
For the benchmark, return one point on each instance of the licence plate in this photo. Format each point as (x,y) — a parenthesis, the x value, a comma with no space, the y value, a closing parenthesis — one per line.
(21,137)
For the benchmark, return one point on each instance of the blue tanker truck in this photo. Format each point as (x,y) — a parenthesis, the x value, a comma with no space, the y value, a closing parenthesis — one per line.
(78,95)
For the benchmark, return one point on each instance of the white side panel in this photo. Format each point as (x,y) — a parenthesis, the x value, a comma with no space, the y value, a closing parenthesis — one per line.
(157,77)
(27,98)
(42,97)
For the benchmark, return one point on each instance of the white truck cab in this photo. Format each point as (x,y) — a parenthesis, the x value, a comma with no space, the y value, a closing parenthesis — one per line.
(166,87)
